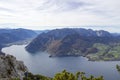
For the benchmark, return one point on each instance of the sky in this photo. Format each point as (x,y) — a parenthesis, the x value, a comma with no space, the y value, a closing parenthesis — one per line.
(51,14)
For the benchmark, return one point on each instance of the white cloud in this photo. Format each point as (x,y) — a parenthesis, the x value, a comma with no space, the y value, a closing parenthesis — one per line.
(59,12)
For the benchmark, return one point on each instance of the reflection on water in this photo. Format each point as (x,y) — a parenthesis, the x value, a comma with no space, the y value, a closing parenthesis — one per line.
(41,63)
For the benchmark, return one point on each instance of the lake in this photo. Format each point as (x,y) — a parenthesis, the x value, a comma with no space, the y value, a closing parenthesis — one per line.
(42,64)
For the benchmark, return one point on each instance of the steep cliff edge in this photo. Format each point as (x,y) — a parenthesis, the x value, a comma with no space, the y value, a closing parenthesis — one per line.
(11,68)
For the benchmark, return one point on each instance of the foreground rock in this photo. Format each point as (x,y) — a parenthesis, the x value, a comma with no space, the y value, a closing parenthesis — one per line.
(11,68)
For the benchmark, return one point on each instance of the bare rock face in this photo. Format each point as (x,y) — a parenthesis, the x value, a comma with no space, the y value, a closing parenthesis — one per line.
(11,68)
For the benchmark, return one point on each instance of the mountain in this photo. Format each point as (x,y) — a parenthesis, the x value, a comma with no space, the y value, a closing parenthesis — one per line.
(71,42)
(13,35)
(20,33)
(11,68)
(116,34)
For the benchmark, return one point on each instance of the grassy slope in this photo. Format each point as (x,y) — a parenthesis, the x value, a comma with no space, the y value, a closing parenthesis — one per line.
(106,52)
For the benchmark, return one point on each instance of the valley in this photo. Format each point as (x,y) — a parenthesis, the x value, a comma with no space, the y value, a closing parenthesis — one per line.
(62,49)
(59,40)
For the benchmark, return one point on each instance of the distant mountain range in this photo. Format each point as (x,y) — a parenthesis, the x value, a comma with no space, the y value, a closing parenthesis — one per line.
(71,41)
(13,35)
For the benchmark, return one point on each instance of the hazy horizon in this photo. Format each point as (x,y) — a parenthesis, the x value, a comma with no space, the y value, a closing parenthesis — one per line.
(106,28)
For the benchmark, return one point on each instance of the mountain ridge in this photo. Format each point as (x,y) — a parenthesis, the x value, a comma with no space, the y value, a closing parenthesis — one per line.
(13,35)
(50,41)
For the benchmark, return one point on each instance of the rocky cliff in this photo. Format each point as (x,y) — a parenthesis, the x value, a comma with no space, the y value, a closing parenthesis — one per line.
(11,68)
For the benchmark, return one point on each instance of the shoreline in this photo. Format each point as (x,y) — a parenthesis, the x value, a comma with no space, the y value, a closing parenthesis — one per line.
(52,56)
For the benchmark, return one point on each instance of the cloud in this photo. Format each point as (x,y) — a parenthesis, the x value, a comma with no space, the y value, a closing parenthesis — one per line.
(60,12)
(5,9)
(61,5)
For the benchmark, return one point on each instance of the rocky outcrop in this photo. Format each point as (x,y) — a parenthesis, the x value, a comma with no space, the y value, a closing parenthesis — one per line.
(11,68)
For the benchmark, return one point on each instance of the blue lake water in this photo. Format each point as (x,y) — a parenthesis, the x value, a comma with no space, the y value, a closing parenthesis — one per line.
(42,64)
